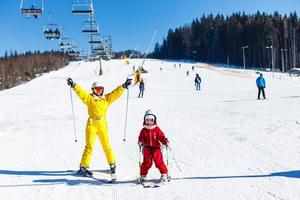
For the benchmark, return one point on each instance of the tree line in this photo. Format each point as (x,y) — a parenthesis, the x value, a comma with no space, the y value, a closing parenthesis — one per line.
(267,41)
(18,68)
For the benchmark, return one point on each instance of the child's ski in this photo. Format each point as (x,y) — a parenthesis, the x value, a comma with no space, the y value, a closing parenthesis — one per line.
(153,183)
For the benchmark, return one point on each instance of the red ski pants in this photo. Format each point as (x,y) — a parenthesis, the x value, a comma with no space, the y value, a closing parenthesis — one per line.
(153,154)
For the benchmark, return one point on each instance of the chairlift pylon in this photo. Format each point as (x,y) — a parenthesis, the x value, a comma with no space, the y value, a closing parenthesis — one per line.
(32,10)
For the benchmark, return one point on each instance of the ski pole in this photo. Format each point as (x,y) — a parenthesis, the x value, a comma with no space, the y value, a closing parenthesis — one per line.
(174,159)
(167,156)
(75,134)
(125,127)
(140,162)
(252,92)
(140,153)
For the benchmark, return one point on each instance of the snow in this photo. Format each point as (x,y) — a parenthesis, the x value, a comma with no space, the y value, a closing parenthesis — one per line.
(224,143)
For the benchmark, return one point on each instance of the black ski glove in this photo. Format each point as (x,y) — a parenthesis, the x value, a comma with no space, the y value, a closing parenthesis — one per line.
(127,83)
(71,83)
(167,142)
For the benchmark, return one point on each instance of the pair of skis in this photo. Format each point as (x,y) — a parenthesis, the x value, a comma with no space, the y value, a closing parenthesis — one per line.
(153,183)
(98,177)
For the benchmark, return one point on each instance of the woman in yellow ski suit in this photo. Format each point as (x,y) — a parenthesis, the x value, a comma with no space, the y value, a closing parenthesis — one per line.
(97,105)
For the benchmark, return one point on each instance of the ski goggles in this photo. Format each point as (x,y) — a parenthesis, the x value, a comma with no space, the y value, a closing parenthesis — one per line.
(98,90)
(149,120)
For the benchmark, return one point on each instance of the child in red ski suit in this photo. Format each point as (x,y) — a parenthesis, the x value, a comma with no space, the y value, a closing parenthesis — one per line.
(151,138)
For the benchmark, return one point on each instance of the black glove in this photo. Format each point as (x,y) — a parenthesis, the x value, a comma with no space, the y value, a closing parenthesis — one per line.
(71,83)
(127,83)
(167,142)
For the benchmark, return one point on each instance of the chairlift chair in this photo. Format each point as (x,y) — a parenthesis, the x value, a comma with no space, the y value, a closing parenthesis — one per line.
(90,27)
(73,53)
(94,41)
(52,31)
(100,48)
(31,11)
(66,43)
(82,7)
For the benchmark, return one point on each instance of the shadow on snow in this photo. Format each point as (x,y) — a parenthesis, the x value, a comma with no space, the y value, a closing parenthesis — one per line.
(61,177)
(287,174)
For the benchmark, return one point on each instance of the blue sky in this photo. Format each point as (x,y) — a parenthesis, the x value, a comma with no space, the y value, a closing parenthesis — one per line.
(131,23)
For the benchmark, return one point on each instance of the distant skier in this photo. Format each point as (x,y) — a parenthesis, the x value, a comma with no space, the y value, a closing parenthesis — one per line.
(197,82)
(187,73)
(137,77)
(151,138)
(97,104)
(142,88)
(261,85)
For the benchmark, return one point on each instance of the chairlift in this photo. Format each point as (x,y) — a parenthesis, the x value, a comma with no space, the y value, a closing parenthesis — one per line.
(90,27)
(95,39)
(82,7)
(65,43)
(100,48)
(73,53)
(52,31)
(98,52)
(32,10)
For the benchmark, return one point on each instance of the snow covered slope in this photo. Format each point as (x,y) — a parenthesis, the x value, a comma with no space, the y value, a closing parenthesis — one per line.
(225,144)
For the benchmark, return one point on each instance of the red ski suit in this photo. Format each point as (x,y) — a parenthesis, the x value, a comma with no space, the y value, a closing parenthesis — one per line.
(151,140)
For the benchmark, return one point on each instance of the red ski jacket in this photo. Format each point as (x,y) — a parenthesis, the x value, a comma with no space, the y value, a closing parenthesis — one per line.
(152,137)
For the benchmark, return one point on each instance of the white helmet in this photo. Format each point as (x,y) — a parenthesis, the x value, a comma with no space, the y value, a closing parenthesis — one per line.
(150,115)
(97,84)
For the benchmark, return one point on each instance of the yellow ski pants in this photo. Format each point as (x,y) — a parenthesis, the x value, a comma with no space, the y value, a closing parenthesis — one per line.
(97,128)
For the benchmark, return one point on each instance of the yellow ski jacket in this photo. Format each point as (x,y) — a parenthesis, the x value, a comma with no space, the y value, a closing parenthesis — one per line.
(97,107)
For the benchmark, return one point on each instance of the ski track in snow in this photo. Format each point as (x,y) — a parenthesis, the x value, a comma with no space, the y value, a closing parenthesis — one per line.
(224,143)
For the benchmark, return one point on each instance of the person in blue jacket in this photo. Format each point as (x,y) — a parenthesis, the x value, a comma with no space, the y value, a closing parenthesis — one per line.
(261,85)
(197,82)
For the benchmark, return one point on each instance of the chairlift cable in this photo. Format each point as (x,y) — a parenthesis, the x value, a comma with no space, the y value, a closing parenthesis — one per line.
(145,56)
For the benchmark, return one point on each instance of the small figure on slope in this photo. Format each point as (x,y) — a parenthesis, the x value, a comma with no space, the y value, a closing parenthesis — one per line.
(197,82)
(137,77)
(261,84)
(97,104)
(142,88)
(151,138)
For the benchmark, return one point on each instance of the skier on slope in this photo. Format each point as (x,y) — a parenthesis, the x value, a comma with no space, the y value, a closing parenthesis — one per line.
(142,88)
(137,76)
(97,104)
(151,138)
(197,82)
(261,84)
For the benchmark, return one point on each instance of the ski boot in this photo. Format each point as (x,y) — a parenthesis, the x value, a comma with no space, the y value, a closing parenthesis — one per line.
(164,178)
(143,179)
(84,171)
